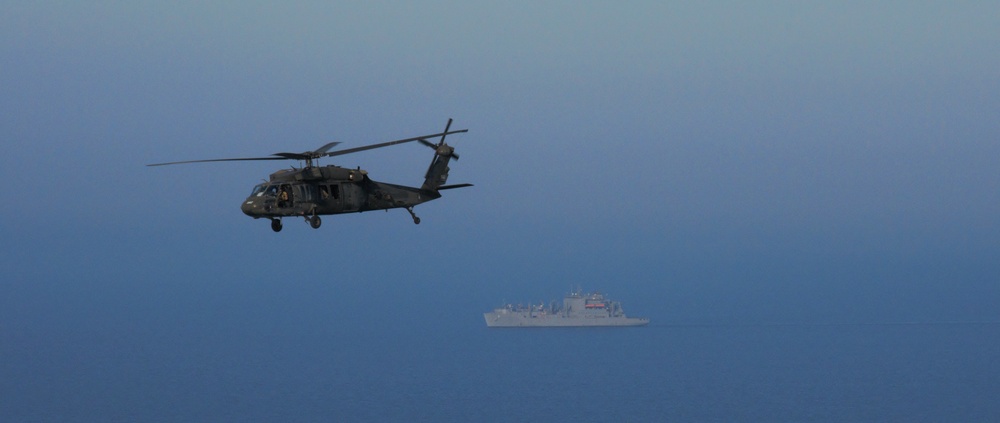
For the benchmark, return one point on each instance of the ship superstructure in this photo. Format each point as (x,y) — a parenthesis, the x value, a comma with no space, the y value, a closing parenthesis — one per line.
(577,309)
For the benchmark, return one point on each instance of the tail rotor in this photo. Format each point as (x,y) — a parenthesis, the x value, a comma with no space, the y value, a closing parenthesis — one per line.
(437,173)
(441,148)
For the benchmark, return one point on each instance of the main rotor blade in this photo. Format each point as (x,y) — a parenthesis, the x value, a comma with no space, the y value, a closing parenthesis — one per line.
(220,160)
(386,144)
(323,149)
(295,156)
(321,152)
(308,154)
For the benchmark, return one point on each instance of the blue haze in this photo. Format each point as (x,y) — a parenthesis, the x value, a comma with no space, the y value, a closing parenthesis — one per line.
(802,197)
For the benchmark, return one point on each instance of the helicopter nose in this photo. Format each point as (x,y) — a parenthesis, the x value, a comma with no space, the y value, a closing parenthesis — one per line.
(247,207)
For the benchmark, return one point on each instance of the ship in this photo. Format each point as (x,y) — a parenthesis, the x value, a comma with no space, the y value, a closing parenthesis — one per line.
(577,309)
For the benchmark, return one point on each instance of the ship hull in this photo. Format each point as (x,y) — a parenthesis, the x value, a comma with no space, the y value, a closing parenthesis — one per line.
(518,320)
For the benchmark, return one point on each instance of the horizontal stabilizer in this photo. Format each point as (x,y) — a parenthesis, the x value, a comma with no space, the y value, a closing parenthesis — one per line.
(453,186)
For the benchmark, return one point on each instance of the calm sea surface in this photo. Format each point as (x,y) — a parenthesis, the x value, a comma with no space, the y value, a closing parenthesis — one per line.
(463,371)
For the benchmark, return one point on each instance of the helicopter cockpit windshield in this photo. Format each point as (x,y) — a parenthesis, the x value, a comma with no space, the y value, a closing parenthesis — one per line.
(264,190)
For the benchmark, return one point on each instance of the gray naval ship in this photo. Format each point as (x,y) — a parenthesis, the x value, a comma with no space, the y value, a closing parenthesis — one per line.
(578,309)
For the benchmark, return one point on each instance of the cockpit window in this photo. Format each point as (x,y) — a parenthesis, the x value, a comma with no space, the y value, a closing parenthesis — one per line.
(264,190)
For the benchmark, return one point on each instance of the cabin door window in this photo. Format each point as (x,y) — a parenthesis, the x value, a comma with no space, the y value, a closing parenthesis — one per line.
(329,192)
(304,193)
(285,196)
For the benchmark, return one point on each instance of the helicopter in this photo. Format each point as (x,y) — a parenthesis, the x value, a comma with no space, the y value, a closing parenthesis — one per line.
(313,191)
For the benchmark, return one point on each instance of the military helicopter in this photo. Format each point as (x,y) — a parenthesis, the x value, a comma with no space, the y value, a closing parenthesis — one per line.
(313,190)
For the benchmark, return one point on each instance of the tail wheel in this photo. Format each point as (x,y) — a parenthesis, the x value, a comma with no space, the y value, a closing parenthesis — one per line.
(276,225)
(416,219)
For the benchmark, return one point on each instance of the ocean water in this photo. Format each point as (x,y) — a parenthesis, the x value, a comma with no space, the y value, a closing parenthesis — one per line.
(261,367)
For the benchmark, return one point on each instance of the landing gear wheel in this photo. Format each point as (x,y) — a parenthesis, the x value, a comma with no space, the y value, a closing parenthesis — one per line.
(315,222)
(276,225)
(416,220)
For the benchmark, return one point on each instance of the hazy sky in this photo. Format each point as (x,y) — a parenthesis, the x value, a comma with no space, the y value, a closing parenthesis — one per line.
(701,161)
